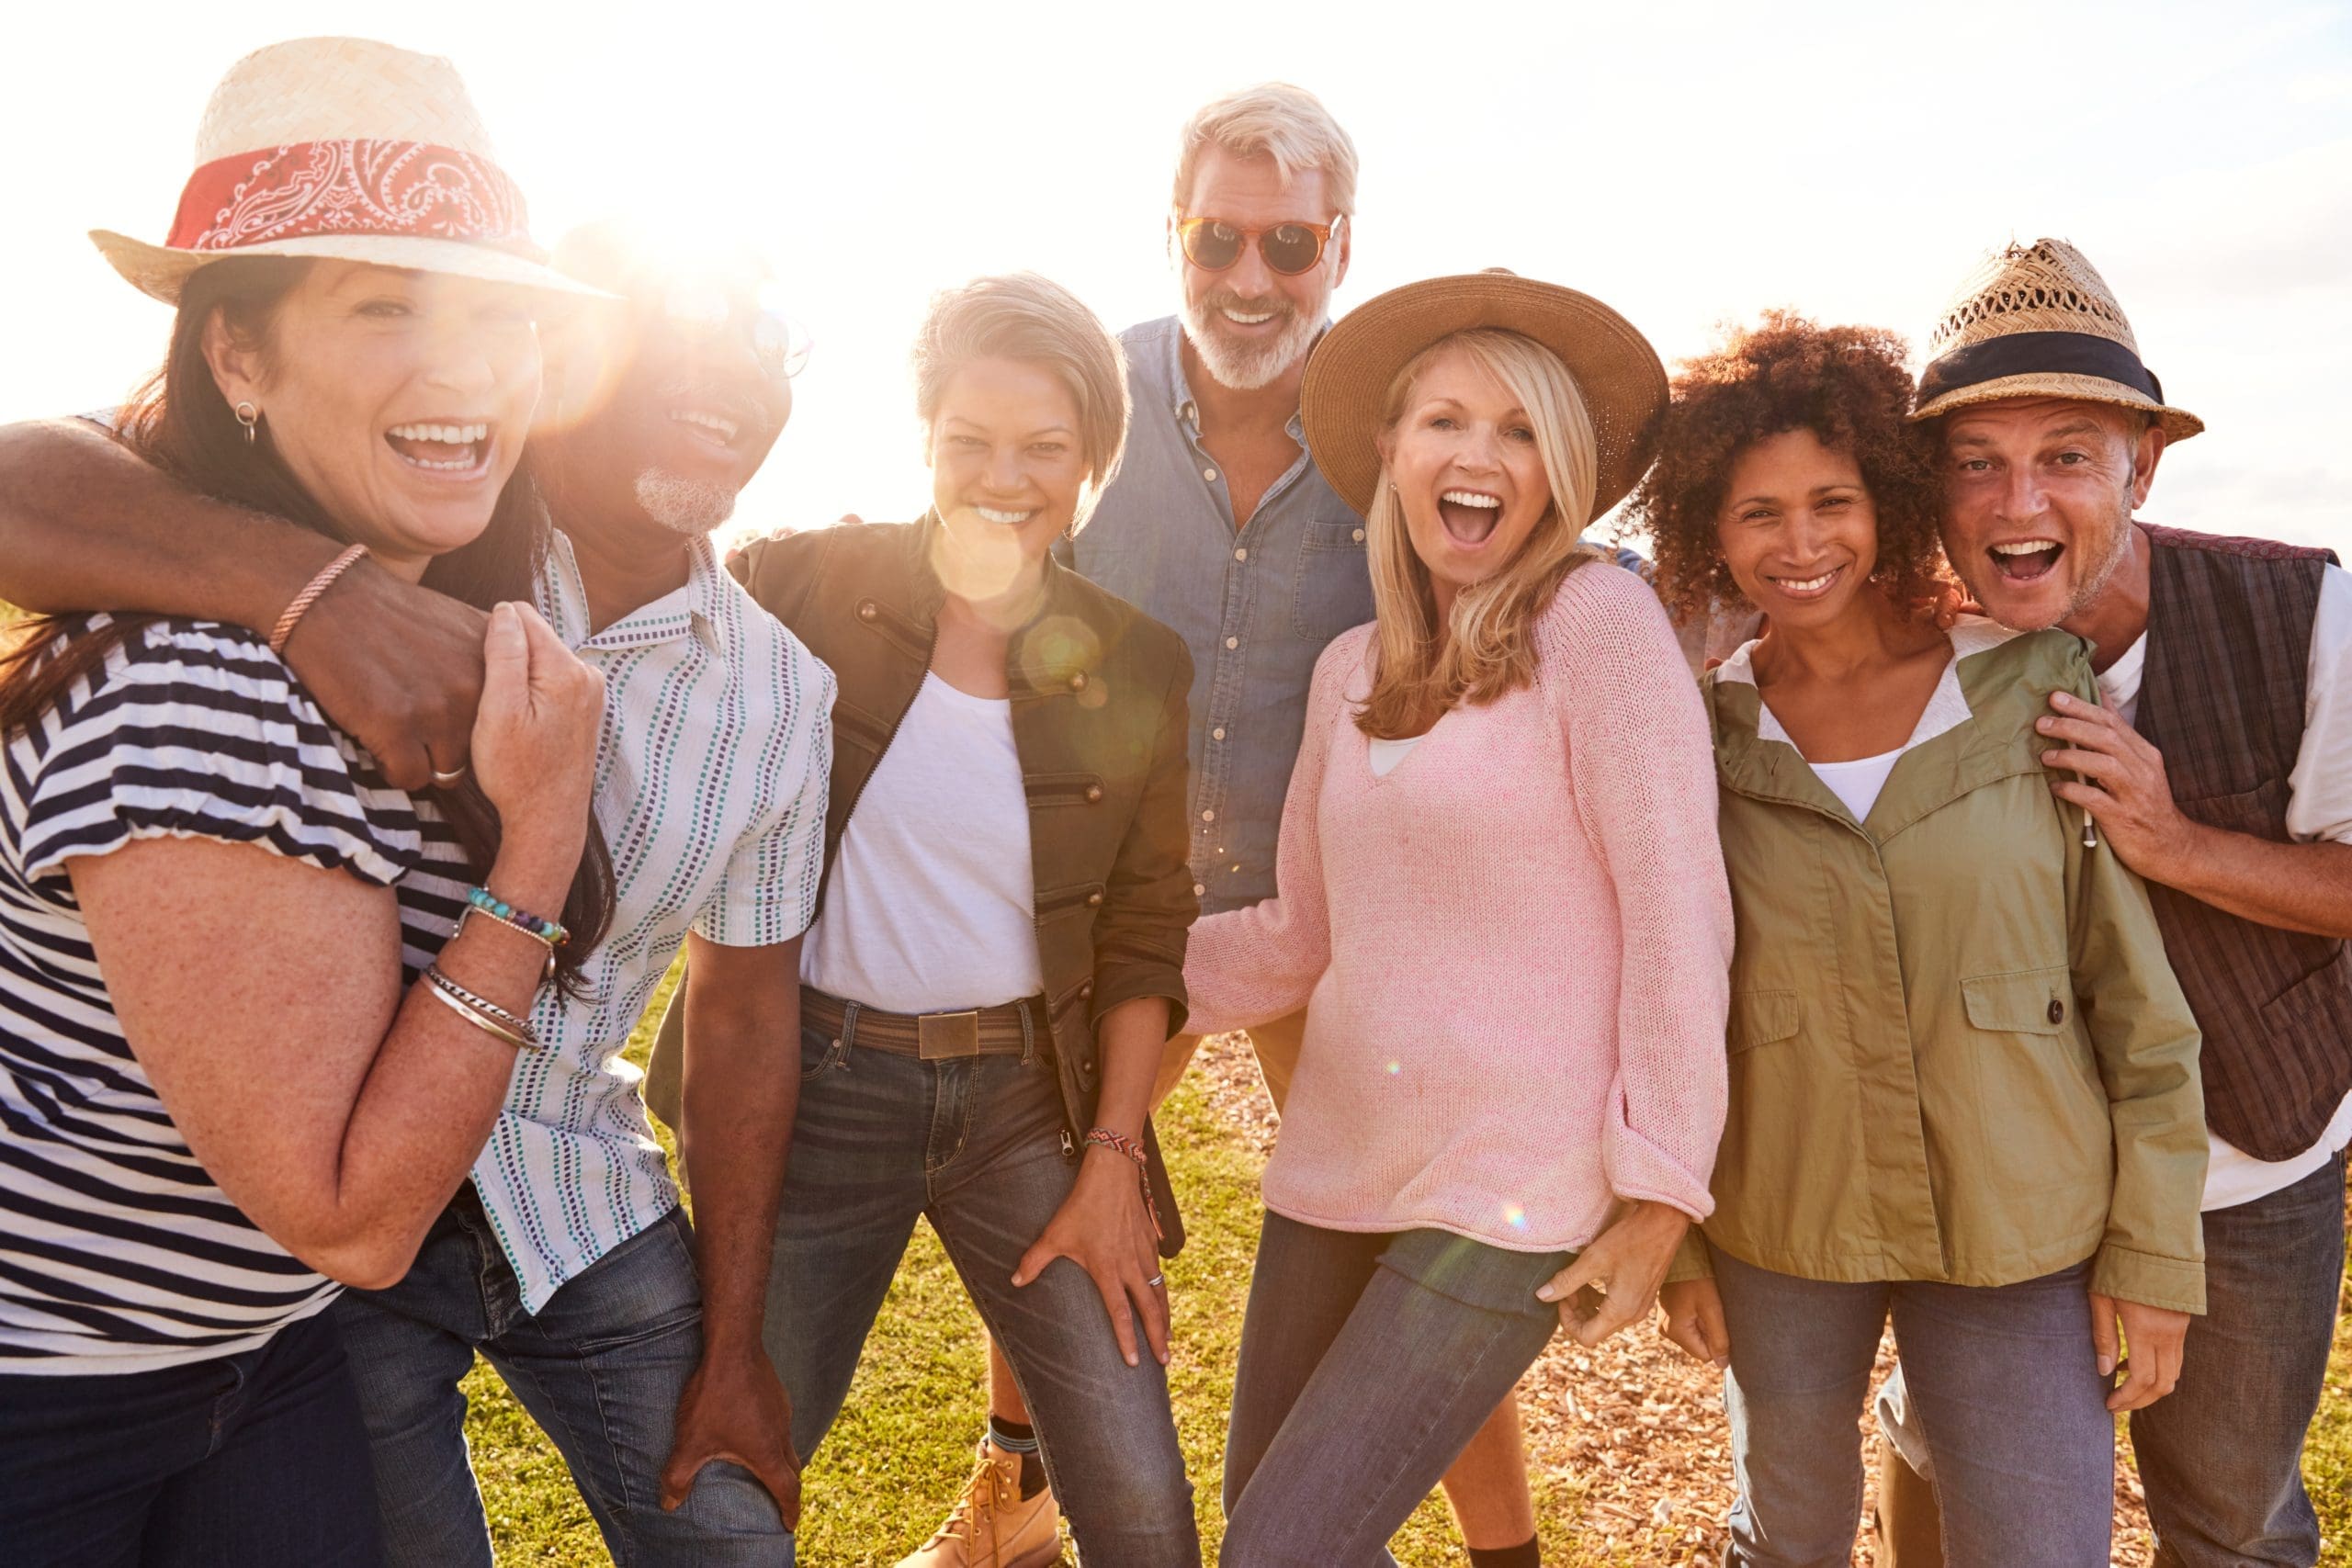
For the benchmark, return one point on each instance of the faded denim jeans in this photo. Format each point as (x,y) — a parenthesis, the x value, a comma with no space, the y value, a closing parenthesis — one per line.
(1368,1363)
(976,1145)
(600,1368)
(2003,1383)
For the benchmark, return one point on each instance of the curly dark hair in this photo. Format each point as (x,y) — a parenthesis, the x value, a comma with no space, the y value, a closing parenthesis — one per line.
(1845,384)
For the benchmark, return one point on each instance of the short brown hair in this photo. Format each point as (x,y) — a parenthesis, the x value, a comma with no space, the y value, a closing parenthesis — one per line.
(1849,387)
(1020,315)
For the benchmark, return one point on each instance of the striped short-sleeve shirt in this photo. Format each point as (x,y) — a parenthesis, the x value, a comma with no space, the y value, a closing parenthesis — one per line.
(118,1253)
(710,788)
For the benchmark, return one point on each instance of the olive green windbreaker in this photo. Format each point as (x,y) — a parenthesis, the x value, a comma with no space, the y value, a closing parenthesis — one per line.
(1956,1051)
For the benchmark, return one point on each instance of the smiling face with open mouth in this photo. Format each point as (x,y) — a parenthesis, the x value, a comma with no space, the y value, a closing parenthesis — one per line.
(399,401)
(1248,323)
(1008,471)
(2038,502)
(1798,529)
(1469,477)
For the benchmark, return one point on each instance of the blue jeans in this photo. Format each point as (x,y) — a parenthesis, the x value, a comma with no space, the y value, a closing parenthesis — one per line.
(977,1146)
(2220,1457)
(600,1369)
(252,1461)
(2005,1385)
(1368,1363)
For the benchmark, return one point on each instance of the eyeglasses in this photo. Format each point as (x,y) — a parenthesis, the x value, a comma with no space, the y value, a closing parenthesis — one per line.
(700,311)
(1212,245)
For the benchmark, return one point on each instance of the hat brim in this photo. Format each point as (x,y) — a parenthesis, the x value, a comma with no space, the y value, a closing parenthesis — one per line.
(160,271)
(1347,380)
(2178,424)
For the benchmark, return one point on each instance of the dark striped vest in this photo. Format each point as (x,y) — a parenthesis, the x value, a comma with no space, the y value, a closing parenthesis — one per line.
(2229,658)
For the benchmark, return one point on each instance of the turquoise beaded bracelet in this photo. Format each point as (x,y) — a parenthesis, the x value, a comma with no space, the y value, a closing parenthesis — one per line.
(523,921)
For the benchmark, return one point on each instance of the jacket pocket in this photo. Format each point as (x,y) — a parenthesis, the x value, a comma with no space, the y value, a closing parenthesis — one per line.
(1758,1018)
(2256,811)
(2021,1001)
(1083,898)
(1333,590)
(1063,789)
(853,723)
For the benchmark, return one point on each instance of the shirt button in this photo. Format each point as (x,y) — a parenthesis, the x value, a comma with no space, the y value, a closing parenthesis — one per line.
(1086,990)
(1208,815)
(1233,642)
(1094,901)
(1241,555)
(2057,1010)
(1358,535)
(867,610)
(1093,794)
(1218,733)
(1209,474)
(1200,889)
(1077,680)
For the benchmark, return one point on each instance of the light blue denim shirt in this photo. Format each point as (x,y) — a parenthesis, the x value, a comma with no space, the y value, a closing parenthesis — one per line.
(1256,605)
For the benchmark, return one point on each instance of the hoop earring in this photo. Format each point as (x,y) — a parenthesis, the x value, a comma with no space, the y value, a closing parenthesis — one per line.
(250,417)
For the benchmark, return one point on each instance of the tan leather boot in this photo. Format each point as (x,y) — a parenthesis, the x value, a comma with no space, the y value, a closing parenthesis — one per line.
(1906,1529)
(992,1525)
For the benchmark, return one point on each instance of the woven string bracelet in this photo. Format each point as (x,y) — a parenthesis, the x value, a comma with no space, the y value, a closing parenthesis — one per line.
(310,596)
(1134,1151)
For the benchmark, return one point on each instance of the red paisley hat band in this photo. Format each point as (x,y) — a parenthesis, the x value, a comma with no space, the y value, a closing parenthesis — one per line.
(357,186)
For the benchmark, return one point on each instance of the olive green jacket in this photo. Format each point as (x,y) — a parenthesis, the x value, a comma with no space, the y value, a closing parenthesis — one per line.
(1957,1051)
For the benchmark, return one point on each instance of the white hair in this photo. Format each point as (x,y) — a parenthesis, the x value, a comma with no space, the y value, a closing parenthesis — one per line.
(1275,120)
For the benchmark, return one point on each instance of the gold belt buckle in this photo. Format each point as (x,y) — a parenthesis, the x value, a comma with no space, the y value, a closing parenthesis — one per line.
(941,1036)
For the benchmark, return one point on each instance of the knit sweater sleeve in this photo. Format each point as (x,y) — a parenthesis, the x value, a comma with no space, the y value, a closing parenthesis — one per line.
(1641,767)
(1249,967)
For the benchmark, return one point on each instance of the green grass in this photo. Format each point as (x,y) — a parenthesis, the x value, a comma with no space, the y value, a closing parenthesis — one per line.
(903,1447)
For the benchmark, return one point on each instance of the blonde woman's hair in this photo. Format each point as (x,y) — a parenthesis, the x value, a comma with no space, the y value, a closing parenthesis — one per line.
(1488,648)
(1272,119)
(1023,316)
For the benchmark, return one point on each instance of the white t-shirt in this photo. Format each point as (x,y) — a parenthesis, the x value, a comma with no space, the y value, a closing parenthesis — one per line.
(2319,807)
(1858,782)
(932,906)
(1387,754)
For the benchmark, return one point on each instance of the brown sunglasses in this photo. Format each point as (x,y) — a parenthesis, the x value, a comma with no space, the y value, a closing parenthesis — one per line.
(1212,245)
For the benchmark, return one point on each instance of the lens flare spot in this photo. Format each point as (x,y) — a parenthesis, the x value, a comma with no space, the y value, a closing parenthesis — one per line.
(1515,1216)
(1394,1068)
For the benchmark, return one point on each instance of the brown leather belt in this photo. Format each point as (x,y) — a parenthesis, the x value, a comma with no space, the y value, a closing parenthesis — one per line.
(932,1036)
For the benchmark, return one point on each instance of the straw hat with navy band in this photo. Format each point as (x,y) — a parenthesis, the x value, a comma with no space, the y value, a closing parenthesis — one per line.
(2039,321)
(344,148)
(1348,377)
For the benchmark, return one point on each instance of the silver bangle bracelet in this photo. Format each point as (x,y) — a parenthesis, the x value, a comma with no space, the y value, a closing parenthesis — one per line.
(481,1005)
(489,1026)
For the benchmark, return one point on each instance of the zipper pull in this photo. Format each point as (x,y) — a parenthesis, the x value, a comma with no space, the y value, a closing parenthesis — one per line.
(1068,1147)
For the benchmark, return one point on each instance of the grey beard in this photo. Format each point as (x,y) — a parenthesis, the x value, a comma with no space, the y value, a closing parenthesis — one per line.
(693,507)
(1242,367)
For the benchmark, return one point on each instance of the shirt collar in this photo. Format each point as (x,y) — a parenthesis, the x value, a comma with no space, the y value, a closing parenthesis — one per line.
(1179,391)
(694,609)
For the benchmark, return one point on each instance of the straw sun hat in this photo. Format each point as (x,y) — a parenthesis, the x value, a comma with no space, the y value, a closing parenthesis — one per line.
(2039,321)
(347,148)
(1348,377)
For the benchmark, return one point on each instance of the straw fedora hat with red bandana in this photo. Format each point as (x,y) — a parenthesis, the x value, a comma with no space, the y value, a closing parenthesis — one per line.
(2039,321)
(344,148)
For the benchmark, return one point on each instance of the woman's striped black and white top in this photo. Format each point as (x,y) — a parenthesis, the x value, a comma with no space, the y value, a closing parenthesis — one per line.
(116,1251)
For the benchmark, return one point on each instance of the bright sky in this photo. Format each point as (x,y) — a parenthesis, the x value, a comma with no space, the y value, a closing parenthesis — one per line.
(1688,165)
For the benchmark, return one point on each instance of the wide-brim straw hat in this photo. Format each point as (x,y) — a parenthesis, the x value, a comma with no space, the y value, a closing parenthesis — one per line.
(2039,321)
(345,148)
(1342,395)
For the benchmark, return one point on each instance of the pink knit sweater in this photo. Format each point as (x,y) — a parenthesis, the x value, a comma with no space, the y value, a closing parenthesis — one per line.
(1514,949)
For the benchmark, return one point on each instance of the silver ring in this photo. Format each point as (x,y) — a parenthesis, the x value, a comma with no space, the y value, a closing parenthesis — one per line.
(449,780)
(1157,1279)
